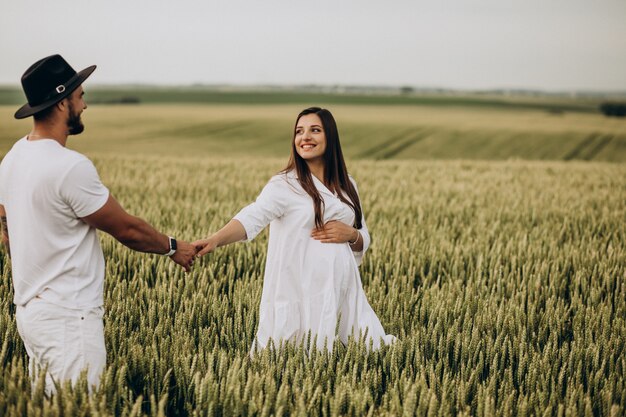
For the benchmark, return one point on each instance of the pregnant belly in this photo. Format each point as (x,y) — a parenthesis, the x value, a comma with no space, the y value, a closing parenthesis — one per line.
(327,267)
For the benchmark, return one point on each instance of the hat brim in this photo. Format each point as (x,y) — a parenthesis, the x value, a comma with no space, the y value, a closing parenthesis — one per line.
(27,110)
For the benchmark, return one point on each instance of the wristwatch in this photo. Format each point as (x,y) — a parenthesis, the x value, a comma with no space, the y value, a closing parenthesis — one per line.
(173,246)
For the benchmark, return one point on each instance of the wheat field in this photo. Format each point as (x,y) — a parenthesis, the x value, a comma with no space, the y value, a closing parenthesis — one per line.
(498,259)
(505,283)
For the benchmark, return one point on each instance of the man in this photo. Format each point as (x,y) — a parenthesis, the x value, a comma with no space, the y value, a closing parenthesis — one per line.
(51,203)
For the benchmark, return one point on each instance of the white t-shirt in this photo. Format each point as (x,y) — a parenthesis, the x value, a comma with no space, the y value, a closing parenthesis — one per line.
(46,189)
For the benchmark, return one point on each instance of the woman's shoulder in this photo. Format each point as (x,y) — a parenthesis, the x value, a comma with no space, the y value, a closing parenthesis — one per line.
(283,180)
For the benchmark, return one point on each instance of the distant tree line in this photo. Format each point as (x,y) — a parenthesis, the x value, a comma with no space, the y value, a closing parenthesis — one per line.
(116,100)
(613,109)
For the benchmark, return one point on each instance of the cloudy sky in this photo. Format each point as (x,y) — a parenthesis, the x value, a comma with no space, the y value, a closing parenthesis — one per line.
(553,45)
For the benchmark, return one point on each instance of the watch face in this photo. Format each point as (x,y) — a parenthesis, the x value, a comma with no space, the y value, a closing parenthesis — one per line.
(173,244)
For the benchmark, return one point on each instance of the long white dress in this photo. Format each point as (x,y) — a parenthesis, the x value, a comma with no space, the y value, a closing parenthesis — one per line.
(308,285)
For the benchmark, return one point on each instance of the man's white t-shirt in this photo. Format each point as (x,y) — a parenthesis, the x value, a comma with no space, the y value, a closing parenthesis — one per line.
(46,189)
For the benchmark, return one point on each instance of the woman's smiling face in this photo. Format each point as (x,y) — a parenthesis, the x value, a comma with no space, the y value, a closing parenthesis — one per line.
(309,137)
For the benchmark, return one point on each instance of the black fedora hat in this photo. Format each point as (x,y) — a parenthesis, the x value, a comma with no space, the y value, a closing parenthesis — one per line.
(49,81)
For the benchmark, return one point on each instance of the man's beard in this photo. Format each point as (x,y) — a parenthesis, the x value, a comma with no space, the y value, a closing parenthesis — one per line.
(75,126)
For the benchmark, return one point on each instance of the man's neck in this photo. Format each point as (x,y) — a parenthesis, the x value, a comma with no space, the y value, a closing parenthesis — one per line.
(45,131)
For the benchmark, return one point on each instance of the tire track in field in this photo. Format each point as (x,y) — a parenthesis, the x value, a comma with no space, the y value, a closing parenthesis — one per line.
(399,147)
(371,152)
(391,146)
(578,149)
(601,144)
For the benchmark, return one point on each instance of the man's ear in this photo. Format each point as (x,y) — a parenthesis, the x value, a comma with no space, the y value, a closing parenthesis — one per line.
(61,105)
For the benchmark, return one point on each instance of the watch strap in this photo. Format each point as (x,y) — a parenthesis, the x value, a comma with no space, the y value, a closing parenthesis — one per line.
(173,246)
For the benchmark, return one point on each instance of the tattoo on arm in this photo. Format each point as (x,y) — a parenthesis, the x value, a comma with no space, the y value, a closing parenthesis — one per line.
(5,234)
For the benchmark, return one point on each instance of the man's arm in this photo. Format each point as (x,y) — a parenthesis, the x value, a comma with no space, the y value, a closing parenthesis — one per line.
(5,230)
(136,233)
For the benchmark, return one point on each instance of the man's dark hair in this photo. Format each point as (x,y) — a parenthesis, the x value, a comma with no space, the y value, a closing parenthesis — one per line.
(44,114)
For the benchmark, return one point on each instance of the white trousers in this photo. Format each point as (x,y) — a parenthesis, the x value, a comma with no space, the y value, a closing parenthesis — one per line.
(67,341)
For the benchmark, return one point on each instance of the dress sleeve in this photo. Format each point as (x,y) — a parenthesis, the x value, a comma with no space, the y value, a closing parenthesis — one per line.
(2,184)
(82,189)
(269,205)
(365,234)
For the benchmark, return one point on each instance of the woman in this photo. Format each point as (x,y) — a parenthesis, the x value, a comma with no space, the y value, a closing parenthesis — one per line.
(317,240)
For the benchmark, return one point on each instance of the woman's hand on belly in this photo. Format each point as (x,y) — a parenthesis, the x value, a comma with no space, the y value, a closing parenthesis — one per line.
(335,232)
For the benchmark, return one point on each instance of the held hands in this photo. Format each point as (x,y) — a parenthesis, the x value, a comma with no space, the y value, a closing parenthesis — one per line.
(335,232)
(232,232)
(204,246)
(185,255)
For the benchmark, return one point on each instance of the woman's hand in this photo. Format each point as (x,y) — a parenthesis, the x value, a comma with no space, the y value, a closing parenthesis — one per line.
(204,246)
(231,233)
(335,232)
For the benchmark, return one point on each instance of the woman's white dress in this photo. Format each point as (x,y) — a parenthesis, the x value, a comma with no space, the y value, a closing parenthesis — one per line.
(308,285)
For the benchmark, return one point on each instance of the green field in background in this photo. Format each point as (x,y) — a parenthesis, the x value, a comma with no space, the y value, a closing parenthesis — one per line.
(367,132)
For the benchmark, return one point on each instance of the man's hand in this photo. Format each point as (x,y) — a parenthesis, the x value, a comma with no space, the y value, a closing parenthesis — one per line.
(185,255)
(335,232)
(204,246)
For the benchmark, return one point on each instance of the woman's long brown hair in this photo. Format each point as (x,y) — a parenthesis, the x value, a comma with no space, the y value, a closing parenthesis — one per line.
(335,171)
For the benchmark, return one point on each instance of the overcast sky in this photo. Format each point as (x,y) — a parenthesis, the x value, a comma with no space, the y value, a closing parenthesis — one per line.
(469,44)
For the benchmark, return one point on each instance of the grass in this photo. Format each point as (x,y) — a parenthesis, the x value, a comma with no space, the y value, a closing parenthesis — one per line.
(504,282)
(498,259)
(367,132)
